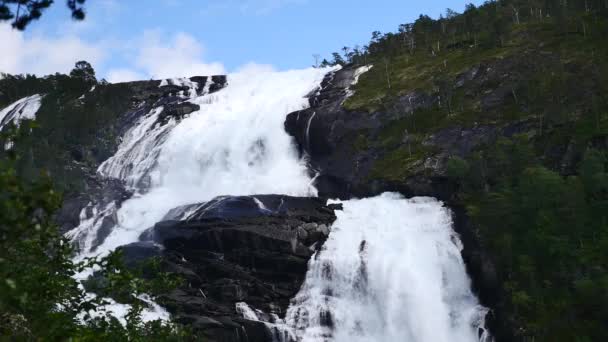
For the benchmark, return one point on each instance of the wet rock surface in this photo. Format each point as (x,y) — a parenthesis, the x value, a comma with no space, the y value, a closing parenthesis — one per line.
(255,249)
(327,133)
(98,191)
(252,249)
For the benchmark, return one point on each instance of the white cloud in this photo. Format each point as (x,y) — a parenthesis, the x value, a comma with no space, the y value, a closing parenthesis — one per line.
(123,75)
(179,56)
(43,55)
(254,68)
(151,55)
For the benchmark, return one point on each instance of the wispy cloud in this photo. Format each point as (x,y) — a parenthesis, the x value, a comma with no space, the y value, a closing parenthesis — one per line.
(177,55)
(43,55)
(123,75)
(152,54)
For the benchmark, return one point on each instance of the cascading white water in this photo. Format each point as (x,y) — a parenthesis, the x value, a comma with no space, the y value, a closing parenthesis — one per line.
(234,145)
(139,150)
(391,270)
(25,108)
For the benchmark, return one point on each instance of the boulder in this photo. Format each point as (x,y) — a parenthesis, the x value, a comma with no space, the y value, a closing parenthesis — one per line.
(177,111)
(233,249)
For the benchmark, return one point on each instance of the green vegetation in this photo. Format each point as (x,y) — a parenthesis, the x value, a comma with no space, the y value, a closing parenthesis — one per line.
(75,122)
(397,164)
(552,69)
(424,55)
(458,168)
(145,277)
(433,70)
(537,200)
(39,298)
(400,161)
(412,72)
(547,234)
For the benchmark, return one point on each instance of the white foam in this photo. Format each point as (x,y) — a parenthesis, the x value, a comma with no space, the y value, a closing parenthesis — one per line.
(182,82)
(360,71)
(152,311)
(234,145)
(89,226)
(279,331)
(25,108)
(391,270)
(138,151)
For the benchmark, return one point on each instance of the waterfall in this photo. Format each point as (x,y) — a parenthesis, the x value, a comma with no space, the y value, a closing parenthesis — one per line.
(234,145)
(25,108)
(308,128)
(138,152)
(391,269)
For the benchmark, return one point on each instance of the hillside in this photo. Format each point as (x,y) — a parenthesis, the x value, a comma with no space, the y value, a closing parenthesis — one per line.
(505,119)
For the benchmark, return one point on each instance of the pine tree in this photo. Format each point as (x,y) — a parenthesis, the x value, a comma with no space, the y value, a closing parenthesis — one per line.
(84,71)
(22,12)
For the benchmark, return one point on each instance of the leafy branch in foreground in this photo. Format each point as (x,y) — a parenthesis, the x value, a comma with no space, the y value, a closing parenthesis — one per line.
(22,12)
(39,297)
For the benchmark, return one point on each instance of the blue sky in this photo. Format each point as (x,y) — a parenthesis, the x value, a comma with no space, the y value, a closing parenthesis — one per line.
(127,40)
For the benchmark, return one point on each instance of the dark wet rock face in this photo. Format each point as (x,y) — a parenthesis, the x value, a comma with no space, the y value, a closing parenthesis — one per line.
(329,134)
(177,111)
(252,249)
(99,190)
(103,192)
(152,91)
(255,249)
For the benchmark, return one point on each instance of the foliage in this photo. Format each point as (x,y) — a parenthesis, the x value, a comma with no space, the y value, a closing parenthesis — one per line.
(22,12)
(457,168)
(84,71)
(423,55)
(486,26)
(548,236)
(400,162)
(75,122)
(15,87)
(144,277)
(39,297)
(539,216)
